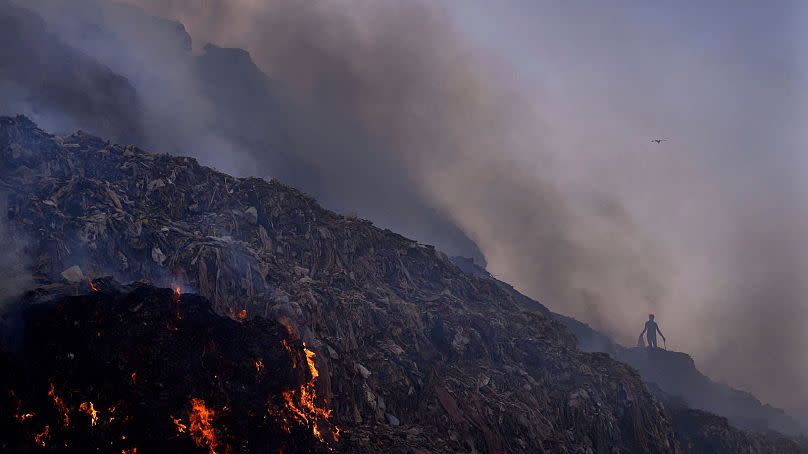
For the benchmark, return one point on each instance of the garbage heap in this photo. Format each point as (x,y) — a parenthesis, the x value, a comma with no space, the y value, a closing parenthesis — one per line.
(97,366)
(413,355)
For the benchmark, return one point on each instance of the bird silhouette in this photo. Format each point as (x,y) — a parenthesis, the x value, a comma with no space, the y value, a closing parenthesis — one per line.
(659,141)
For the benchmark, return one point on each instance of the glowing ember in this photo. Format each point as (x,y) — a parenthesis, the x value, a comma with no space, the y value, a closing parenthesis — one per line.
(292,353)
(60,405)
(201,419)
(134,378)
(90,284)
(177,297)
(129,451)
(181,428)
(19,415)
(259,366)
(24,416)
(89,409)
(41,438)
(241,315)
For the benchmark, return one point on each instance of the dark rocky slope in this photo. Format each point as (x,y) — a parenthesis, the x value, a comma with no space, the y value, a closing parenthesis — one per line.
(413,353)
(675,373)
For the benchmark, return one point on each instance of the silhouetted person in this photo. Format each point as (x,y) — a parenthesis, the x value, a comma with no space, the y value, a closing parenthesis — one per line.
(651,329)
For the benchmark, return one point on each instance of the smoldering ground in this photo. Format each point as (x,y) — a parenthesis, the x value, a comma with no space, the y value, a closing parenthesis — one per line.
(533,143)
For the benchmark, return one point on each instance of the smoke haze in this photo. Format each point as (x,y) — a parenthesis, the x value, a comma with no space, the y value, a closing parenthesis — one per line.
(522,129)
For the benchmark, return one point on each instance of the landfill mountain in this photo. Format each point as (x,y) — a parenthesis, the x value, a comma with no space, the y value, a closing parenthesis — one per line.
(413,354)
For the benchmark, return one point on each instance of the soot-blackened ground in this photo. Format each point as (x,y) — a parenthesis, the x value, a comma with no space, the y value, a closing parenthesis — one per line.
(137,367)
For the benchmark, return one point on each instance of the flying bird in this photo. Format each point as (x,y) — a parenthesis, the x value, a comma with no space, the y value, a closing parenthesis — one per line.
(659,141)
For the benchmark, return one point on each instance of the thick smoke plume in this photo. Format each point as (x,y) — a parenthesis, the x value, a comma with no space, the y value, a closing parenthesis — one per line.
(533,144)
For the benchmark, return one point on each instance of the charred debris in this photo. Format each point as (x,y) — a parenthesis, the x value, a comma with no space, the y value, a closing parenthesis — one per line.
(99,367)
(396,348)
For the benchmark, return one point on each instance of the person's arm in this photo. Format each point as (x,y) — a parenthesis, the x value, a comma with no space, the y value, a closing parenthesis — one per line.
(660,333)
(644,328)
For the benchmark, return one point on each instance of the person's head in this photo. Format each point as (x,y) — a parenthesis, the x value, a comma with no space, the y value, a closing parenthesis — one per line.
(650,316)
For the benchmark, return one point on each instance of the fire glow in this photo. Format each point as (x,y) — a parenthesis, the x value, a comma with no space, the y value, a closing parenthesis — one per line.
(241,315)
(201,421)
(60,405)
(41,439)
(89,409)
(291,353)
(181,428)
(301,403)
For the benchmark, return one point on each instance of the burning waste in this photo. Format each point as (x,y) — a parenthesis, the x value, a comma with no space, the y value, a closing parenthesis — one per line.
(202,386)
(407,352)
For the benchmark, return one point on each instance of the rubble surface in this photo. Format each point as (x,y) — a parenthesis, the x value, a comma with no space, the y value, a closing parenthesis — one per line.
(414,355)
(119,369)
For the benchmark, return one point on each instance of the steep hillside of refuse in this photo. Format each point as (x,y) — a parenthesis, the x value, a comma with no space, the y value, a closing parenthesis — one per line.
(412,353)
(675,373)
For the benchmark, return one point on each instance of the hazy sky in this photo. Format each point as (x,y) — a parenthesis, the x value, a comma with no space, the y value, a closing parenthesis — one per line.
(724,199)
(527,126)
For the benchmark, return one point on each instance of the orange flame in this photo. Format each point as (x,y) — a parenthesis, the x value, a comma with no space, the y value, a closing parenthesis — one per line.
(19,415)
(90,284)
(241,315)
(60,405)
(89,409)
(301,403)
(201,419)
(259,366)
(42,438)
(181,428)
(177,296)
(310,359)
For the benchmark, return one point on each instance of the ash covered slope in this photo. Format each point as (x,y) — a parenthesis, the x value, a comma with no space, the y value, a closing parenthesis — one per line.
(413,353)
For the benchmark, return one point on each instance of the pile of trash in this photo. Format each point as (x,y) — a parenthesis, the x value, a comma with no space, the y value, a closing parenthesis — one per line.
(99,366)
(413,354)
(700,432)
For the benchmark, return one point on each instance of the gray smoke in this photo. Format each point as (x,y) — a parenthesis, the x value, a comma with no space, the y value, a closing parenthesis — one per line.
(532,143)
